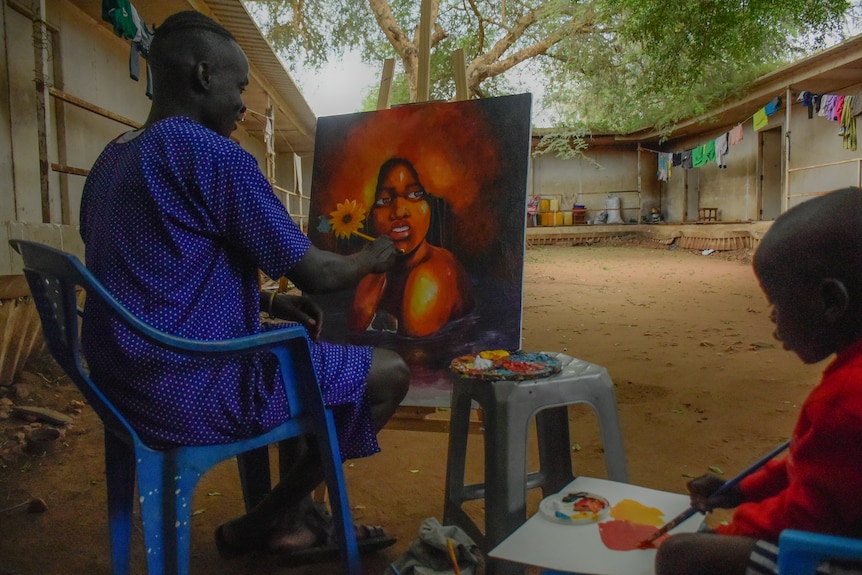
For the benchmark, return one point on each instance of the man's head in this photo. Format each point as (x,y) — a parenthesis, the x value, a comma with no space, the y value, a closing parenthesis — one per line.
(199,71)
(809,264)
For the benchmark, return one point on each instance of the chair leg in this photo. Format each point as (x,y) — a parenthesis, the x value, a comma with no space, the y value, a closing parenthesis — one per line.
(120,473)
(334,474)
(155,492)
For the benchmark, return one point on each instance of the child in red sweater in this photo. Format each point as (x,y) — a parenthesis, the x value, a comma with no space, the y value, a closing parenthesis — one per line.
(809,265)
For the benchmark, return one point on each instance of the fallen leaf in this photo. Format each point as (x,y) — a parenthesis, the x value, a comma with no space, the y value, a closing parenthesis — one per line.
(197,512)
(414,471)
(214,494)
(576,447)
(716,469)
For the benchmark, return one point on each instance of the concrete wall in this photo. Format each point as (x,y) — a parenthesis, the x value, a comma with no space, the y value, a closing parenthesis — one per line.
(85,60)
(589,180)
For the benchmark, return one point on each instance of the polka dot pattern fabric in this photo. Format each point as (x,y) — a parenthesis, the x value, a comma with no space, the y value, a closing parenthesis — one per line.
(176,223)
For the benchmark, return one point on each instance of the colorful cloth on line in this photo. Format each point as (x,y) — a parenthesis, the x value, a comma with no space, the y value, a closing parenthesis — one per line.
(176,223)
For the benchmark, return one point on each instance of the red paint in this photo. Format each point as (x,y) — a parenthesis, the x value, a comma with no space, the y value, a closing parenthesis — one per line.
(627,536)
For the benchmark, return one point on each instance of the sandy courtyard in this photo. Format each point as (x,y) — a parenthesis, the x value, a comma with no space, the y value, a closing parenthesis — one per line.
(687,339)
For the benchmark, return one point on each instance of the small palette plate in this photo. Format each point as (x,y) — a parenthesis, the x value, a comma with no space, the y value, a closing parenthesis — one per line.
(576,508)
(518,365)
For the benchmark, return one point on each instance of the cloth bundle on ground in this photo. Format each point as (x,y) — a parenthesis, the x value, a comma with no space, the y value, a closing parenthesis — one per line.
(429,555)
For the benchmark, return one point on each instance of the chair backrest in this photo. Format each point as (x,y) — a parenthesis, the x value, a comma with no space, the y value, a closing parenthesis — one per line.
(54,278)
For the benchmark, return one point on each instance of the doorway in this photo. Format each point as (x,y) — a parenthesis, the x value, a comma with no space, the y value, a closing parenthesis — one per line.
(770,174)
(692,194)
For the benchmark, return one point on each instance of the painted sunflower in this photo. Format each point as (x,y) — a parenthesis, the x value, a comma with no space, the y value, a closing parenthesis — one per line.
(347,218)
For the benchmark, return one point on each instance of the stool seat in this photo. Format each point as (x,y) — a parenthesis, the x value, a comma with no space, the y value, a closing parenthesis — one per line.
(509,406)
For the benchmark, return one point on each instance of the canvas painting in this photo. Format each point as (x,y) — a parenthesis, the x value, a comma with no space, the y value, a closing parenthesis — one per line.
(447,182)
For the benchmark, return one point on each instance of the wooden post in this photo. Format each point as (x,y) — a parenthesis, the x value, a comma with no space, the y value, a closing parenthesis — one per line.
(460,65)
(41,46)
(423,77)
(385,84)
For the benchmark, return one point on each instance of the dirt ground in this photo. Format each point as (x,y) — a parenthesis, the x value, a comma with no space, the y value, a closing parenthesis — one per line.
(686,337)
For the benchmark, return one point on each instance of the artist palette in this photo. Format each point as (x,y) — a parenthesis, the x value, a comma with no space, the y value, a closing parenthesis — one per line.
(494,366)
(574,508)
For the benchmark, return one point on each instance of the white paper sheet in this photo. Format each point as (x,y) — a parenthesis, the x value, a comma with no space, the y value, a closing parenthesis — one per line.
(579,548)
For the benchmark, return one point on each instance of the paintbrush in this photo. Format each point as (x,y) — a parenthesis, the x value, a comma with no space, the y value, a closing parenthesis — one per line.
(729,484)
(453,556)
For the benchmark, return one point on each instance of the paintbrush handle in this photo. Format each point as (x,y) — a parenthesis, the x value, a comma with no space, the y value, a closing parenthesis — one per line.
(727,485)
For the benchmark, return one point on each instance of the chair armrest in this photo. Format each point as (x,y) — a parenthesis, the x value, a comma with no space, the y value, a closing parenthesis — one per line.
(243,344)
(800,552)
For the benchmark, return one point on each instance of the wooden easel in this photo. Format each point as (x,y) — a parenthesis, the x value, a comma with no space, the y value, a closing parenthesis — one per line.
(418,418)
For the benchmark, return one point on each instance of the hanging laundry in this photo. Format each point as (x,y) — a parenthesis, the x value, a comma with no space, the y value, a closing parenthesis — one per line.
(664,166)
(848,125)
(772,106)
(676,159)
(721,149)
(141,42)
(816,100)
(760,119)
(128,25)
(839,107)
(119,14)
(856,106)
(735,135)
(827,107)
(698,157)
(686,160)
(709,151)
(807,100)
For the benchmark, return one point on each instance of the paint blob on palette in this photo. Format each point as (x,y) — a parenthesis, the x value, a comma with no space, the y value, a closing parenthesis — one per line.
(631,523)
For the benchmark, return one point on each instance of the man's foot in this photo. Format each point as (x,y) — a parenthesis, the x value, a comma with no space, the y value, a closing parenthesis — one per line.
(314,541)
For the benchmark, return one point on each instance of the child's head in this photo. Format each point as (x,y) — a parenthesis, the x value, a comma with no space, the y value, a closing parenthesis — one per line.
(809,265)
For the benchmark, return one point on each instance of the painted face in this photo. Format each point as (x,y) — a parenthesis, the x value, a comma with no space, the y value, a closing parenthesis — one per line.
(401,210)
(228,80)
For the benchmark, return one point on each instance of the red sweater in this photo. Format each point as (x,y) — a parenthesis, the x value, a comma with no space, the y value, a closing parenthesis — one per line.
(818,485)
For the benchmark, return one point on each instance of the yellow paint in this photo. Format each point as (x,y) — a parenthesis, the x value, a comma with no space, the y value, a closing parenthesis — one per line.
(634,512)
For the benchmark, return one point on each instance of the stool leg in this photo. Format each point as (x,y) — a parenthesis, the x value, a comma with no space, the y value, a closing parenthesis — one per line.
(605,405)
(459,429)
(505,470)
(505,477)
(555,456)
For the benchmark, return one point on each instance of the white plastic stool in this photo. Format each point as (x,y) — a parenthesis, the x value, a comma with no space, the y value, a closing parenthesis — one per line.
(508,408)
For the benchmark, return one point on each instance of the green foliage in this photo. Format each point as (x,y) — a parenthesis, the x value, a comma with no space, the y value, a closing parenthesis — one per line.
(565,144)
(608,66)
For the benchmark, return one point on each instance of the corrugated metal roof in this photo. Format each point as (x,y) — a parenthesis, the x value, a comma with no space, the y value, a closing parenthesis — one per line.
(295,123)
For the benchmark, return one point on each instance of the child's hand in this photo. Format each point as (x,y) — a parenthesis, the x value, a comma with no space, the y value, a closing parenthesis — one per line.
(702,489)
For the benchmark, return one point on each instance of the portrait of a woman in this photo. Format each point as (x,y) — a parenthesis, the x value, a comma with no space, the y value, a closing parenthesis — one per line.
(428,287)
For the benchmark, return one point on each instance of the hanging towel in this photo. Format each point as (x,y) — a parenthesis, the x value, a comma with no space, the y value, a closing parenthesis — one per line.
(848,124)
(772,106)
(676,159)
(760,119)
(698,157)
(721,148)
(735,135)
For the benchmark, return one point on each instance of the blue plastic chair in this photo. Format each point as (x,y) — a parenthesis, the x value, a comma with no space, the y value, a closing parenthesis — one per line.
(800,552)
(167,478)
